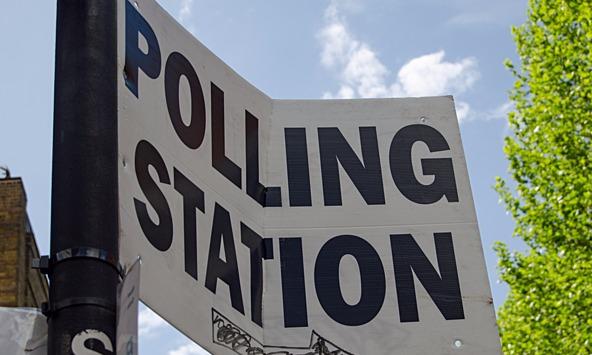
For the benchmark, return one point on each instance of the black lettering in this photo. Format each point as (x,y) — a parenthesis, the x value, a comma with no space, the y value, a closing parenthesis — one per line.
(444,289)
(219,160)
(149,62)
(259,249)
(293,283)
(297,162)
(159,235)
(371,275)
(191,135)
(217,268)
(266,196)
(366,177)
(402,167)
(193,198)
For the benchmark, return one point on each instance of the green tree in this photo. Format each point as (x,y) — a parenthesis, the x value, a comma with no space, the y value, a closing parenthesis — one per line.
(549,306)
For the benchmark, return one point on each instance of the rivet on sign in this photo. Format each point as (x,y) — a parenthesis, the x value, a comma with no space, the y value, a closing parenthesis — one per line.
(124,163)
(423,119)
(136,4)
(457,343)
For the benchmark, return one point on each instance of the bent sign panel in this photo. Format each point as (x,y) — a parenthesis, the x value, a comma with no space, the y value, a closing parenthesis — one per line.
(293,226)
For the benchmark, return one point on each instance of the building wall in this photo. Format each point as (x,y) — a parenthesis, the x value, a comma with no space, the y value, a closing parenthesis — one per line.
(20,286)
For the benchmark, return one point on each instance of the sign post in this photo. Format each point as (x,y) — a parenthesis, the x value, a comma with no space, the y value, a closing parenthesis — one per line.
(83,266)
(127,311)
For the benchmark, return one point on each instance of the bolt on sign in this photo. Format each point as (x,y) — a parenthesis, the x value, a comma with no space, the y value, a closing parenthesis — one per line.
(293,226)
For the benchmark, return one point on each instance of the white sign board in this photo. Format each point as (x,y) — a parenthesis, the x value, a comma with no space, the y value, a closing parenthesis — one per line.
(128,300)
(293,226)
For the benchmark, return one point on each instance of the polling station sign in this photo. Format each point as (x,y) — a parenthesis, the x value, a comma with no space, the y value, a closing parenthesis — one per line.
(293,226)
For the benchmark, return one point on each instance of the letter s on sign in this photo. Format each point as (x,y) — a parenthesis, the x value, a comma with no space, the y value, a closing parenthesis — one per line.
(79,348)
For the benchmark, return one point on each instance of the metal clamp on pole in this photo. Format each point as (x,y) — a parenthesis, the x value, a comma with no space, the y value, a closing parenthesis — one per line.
(45,263)
(41,264)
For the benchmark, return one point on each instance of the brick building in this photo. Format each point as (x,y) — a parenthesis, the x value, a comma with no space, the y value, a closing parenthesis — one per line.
(20,286)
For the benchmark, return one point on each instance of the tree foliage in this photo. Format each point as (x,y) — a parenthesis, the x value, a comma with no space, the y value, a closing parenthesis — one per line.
(549,306)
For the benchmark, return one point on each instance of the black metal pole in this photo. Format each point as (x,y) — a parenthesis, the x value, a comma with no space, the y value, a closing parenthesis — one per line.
(84,202)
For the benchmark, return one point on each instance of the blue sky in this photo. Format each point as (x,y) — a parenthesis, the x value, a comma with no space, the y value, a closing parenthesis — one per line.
(297,49)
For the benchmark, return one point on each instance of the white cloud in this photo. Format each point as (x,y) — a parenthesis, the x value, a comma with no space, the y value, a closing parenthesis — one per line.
(499,113)
(189,349)
(430,75)
(185,10)
(472,13)
(362,74)
(462,111)
(149,322)
(185,13)
(472,18)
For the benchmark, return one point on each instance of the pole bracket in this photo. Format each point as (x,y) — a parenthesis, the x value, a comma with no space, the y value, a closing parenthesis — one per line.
(41,264)
(45,263)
